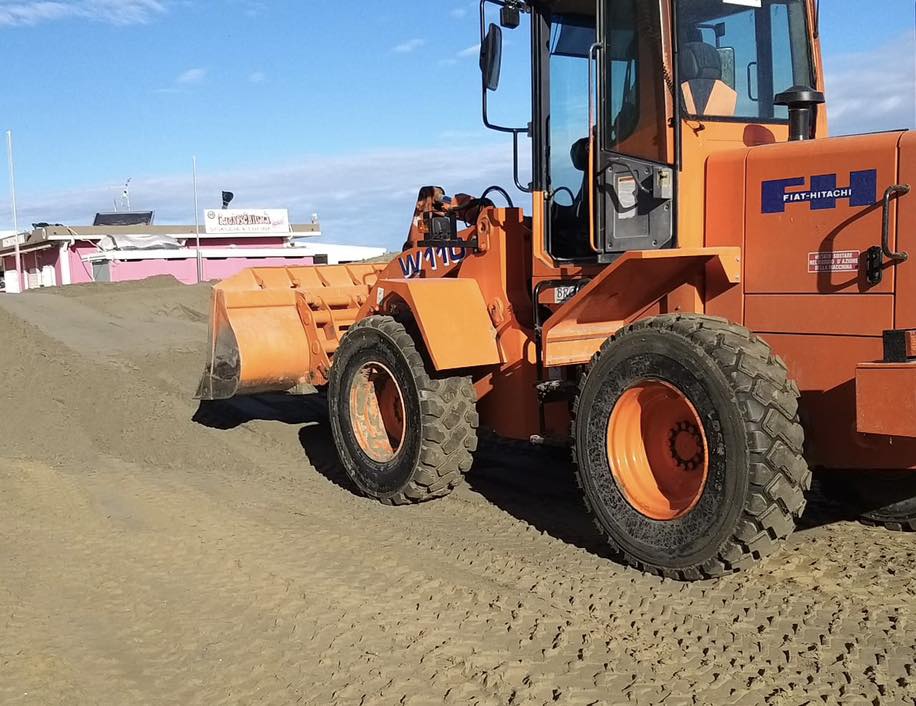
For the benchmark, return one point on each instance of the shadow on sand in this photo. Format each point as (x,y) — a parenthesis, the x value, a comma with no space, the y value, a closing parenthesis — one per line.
(535,486)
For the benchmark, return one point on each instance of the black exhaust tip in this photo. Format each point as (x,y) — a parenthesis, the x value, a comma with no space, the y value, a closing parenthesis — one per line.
(802,102)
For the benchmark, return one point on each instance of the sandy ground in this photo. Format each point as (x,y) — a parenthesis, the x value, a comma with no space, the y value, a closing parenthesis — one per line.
(147,558)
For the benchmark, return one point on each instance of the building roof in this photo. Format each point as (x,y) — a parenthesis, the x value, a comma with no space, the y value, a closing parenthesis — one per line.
(41,238)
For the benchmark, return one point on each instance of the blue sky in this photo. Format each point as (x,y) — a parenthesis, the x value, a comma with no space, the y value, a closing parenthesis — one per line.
(344,108)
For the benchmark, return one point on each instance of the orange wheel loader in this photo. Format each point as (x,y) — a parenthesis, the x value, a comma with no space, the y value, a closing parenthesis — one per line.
(707,300)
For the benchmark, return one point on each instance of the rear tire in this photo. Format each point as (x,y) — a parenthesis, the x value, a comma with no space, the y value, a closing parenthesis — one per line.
(403,435)
(709,414)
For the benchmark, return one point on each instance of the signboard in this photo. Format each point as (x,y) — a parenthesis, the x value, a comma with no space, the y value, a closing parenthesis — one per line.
(238,220)
(10,241)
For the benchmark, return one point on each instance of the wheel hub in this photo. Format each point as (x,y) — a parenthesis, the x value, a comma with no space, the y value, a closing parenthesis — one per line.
(377,412)
(686,444)
(657,450)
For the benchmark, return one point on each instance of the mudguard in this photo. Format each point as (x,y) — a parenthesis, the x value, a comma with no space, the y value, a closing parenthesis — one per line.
(623,291)
(452,316)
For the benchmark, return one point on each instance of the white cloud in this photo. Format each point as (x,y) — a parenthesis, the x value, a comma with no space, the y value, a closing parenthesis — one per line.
(116,12)
(873,90)
(469,52)
(365,198)
(411,45)
(184,82)
(191,76)
(257,77)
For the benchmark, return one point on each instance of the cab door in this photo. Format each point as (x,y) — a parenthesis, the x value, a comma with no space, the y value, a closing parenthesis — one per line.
(634,179)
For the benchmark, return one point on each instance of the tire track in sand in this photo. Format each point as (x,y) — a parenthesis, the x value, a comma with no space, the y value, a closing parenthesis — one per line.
(158,562)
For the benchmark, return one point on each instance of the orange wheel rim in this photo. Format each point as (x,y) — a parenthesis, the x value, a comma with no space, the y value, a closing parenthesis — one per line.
(377,412)
(657,450)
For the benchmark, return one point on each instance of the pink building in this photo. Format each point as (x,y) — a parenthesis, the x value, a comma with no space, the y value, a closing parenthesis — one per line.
(58,255)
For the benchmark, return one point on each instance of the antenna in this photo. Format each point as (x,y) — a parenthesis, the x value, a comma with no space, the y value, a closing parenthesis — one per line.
(9,152)
(200,261)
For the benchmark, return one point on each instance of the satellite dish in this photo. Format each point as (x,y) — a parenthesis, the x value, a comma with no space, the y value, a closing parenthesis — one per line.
(227,199)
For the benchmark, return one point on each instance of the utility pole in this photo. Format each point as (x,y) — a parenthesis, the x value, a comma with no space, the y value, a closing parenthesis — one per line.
(9,151)
(200,262)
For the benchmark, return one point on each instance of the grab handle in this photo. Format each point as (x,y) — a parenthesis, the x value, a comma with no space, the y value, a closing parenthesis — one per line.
(889,194)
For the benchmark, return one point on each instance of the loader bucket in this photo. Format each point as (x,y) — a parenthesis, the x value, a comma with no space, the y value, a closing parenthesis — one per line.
(274,329)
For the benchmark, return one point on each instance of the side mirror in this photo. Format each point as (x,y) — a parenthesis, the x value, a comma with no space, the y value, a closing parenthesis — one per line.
(491,57)
(719,29)
(510,17)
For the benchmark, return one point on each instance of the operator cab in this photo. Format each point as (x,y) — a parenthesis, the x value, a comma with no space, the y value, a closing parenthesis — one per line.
(614,97)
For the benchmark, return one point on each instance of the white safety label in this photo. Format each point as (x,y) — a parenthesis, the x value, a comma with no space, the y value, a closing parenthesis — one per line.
(564,294)
(628,196)
(838,261)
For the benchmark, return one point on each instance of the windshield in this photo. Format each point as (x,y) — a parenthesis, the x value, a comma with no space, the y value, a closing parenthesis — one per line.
(736,56)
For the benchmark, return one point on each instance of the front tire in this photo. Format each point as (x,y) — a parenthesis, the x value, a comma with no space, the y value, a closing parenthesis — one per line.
(402,434)
(689,448)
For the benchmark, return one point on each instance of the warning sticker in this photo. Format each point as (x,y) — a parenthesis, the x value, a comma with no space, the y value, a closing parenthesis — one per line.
(839,261)
(628,196)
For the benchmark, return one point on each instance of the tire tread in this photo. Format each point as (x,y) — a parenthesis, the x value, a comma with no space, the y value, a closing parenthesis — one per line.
(449,421)
(779,478)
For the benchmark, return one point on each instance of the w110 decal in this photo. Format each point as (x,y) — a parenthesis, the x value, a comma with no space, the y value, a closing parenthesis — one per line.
(416,262)
(823,193)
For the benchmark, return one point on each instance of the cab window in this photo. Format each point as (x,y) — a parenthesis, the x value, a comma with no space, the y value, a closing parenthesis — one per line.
(734,58)
(623,72)
(635,120)
(571,38)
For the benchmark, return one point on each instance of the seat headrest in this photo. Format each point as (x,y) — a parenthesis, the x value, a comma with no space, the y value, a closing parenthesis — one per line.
(579,154)
(700,61)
